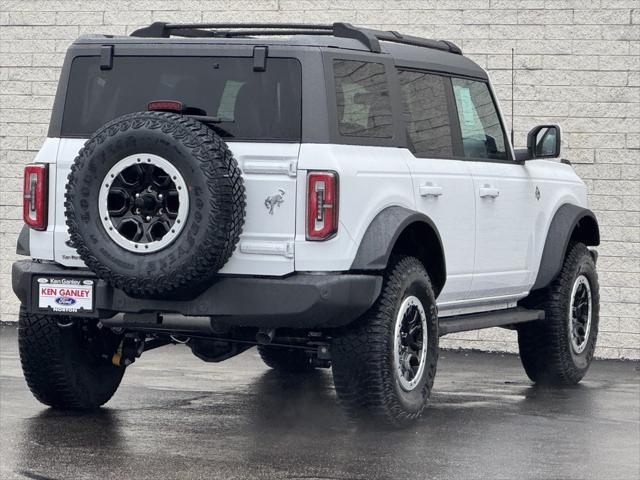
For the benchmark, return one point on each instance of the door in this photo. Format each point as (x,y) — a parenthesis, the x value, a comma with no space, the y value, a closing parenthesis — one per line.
(443,187)
(504,196)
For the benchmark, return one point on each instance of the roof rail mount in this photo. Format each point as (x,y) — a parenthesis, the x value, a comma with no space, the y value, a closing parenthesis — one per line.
(370,38)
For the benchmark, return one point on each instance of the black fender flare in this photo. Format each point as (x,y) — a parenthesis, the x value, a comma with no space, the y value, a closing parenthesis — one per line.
(382,234)
(570,223)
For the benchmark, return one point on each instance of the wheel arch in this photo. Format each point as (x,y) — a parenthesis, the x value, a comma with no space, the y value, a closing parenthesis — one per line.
(400,230)
(570,223)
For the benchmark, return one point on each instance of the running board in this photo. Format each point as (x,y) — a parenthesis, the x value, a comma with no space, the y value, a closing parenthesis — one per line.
(496,318)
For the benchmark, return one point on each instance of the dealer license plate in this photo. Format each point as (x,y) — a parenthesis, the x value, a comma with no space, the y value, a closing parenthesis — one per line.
(65,294)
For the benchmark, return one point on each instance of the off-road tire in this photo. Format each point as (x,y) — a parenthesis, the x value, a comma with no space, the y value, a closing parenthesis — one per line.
(282,359)
(216,203)
(545,346)
(362,353)
(61,370)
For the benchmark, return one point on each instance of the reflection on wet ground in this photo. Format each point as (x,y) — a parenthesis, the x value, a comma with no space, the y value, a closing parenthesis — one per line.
(178,417)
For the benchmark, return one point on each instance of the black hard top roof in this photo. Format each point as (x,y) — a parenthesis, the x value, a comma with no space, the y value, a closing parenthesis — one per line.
(407,51)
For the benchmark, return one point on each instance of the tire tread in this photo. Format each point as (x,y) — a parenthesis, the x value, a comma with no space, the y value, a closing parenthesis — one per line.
(544,348)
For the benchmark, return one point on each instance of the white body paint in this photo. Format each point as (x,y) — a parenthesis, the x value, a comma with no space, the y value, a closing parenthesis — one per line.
(492,244)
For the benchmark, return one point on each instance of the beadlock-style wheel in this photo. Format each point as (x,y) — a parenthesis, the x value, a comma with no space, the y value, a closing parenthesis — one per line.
(384,363)
(143,203)
(410,337)
(558,350)
(580,314)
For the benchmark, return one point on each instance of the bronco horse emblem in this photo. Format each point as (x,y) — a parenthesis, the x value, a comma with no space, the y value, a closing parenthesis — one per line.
(274,200)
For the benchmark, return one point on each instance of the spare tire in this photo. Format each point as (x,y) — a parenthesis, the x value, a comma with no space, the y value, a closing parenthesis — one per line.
(155,203)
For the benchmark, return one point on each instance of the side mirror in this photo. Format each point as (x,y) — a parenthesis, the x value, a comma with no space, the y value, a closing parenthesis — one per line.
(544,141)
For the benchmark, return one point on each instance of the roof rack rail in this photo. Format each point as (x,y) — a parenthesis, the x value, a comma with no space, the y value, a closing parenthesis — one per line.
(368,37)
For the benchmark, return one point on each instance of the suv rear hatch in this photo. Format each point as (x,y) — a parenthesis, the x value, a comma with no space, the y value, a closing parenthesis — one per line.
(258,108)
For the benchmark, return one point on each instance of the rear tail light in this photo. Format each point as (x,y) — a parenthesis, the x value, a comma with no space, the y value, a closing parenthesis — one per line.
(34,203)
(322,205)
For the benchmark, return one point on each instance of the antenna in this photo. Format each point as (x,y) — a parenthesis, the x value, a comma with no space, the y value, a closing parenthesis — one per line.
(512,102)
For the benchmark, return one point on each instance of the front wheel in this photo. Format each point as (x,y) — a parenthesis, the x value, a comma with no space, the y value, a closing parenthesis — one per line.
(67,364)
(385,363)
(559,349)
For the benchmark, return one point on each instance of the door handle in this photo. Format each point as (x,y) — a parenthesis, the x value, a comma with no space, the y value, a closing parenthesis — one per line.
(489,191)
(430,190)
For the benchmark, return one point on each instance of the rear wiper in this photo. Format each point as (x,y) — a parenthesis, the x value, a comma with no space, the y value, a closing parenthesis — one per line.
(213,123)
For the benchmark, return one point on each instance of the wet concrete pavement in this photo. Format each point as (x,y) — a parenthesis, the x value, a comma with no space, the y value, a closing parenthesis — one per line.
(177,417)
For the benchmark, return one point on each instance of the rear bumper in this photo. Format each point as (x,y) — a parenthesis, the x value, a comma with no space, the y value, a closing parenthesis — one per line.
(297,301)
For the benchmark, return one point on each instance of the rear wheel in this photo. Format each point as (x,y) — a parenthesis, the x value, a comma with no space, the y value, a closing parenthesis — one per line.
(559,349)
(67,364)
(294,360)
(385,363)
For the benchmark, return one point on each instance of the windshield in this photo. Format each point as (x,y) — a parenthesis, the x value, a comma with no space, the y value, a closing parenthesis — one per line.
(250,105)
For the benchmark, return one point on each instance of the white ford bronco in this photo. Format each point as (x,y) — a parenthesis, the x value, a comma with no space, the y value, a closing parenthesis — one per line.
(338,196)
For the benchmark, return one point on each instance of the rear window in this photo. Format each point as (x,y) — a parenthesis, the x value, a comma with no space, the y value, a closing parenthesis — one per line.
(251,105)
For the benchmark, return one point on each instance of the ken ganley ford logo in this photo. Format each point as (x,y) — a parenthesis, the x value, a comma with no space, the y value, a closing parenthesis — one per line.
(65,301)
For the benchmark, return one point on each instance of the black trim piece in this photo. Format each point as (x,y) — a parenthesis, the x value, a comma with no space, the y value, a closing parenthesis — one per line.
(297,301)
(446,69)
(23,248)
(454,122)
(106,57)
(522,154)
(497,318)
(381,236)
(564,223)
(260,58)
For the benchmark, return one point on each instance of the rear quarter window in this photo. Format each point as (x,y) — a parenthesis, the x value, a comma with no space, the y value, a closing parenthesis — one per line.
(251,105)
(362,99)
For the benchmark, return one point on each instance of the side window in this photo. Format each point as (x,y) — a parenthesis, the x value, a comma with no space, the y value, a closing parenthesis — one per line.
(482,133)
(362,98)
(426,114)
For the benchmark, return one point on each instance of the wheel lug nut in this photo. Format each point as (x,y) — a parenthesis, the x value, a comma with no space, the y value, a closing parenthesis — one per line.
(160,196)
(148,218)
(137,195)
